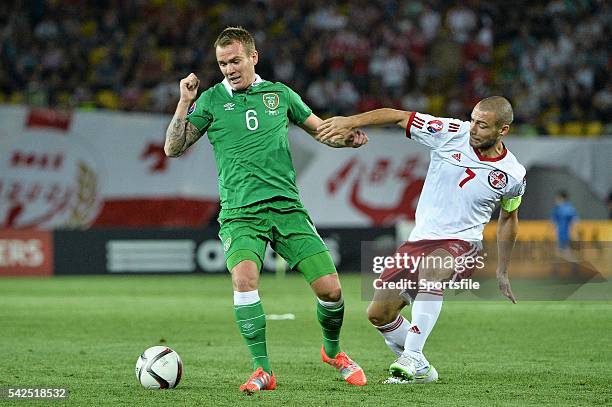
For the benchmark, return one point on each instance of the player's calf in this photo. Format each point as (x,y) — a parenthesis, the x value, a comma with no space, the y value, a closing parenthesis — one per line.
(386,318)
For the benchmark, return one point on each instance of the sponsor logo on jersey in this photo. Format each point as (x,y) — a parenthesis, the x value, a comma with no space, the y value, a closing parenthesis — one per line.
(434,126)
(227,244)
(453,127)
(229,106)
(498,179)
(457,156)
(191,108)
(271,100)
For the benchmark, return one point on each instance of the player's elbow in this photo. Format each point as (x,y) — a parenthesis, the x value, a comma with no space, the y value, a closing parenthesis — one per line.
(402,118)
(172,153)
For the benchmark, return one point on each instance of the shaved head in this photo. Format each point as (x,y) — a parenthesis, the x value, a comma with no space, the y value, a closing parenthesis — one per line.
(500,106)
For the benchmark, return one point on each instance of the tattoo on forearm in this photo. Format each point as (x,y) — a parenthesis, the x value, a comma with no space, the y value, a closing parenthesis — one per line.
(175,136)
(326,142)
(192,134)
(333,144)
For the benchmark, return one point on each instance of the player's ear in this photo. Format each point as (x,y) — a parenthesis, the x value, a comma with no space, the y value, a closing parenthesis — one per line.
(504,130)
(255,57)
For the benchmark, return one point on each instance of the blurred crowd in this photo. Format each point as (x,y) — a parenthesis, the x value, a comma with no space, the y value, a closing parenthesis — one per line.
(550,58)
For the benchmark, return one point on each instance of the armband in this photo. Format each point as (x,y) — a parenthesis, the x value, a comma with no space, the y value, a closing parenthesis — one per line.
(510,204)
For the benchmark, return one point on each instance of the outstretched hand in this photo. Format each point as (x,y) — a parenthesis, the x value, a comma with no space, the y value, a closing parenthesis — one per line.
(335,129)
(189,87)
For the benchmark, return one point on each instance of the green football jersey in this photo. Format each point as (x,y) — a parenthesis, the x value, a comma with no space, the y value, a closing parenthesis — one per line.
(248,131)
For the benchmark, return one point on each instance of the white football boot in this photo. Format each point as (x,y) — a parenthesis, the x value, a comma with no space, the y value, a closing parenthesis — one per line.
(411,368)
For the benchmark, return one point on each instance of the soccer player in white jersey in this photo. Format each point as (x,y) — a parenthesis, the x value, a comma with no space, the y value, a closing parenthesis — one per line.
(470,173)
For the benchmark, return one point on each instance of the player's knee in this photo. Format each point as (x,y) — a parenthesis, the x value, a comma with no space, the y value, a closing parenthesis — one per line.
(244,284)
(330,295)
(244,277)
(379,316)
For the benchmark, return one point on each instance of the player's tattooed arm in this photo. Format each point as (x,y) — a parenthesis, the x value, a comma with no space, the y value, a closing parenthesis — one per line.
(355,139)
(175,137)
(330,143)
(180,135)
(333,144)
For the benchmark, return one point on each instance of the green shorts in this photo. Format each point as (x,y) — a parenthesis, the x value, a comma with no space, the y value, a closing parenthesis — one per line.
(284,224)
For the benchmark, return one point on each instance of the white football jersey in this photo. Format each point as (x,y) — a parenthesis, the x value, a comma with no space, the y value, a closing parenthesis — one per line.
(462,188)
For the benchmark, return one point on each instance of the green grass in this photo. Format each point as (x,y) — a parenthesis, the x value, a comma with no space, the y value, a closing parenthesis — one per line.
(87,332)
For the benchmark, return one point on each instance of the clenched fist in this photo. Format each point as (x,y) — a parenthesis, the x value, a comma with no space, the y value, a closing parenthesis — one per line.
(189,87)
(357,138)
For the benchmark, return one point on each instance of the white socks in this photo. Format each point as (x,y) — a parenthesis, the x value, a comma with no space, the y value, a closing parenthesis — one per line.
(331,304)
(246,297)
(401,335)
(395,334)
(425,311)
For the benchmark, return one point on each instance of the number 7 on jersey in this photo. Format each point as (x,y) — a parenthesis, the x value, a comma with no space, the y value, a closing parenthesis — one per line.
(470,175)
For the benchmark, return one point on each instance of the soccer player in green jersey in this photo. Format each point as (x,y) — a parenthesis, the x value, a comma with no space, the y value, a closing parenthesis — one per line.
(246,119)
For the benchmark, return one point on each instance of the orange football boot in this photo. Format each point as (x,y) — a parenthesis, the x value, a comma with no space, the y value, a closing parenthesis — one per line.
(349,370)
(259,380)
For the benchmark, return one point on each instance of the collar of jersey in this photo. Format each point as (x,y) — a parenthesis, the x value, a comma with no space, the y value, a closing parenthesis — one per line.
(491,159)
(229,89)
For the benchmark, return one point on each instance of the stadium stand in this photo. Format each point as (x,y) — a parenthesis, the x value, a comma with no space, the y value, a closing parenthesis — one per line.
(551,58)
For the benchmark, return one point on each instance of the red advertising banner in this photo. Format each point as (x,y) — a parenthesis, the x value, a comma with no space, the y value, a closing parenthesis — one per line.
(26,253)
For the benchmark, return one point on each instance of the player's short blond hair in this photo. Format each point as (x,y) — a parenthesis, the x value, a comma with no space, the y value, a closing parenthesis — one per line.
(236,34)
(501,107)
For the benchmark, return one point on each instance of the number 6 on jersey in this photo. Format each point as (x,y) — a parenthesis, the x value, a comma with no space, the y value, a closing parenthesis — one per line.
(251,120)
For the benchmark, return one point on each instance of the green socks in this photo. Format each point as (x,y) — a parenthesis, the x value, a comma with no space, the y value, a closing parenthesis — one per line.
(251,321)
(330,316)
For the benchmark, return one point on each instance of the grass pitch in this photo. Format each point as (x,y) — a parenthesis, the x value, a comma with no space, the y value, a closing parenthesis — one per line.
(86,333)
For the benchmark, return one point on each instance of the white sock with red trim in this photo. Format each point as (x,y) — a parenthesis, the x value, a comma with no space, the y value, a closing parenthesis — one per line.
(395,333)
(425,311)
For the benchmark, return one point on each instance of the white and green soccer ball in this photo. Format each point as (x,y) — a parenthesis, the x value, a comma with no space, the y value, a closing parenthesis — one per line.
(159,367)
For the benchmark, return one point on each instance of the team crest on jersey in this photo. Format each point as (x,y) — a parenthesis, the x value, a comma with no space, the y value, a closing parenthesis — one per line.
(271,100)
(498,179)
(434,126)
(191,108)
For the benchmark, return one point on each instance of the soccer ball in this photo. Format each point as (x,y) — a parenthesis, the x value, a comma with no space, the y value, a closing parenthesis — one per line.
(159,367)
